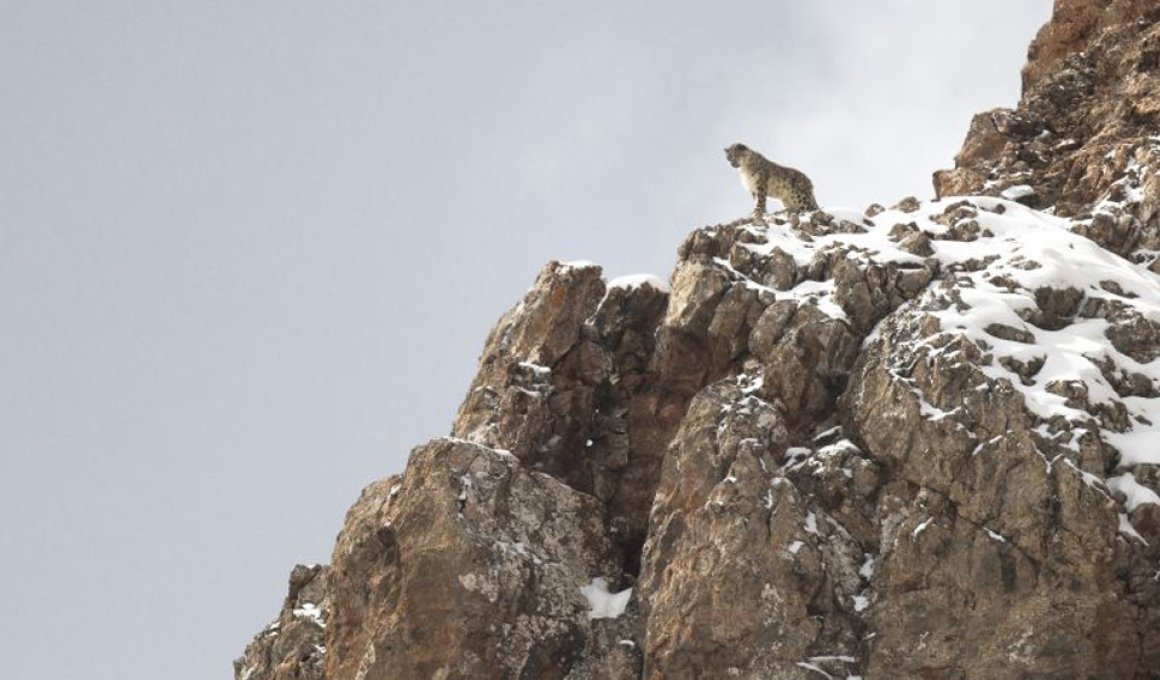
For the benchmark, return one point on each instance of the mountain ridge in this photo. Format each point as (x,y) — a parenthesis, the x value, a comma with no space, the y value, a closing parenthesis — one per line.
(904,442)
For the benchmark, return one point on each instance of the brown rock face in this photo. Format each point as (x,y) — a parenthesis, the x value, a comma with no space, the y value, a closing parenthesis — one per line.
(741,575)
(918,442)
(992,562)
(567,385)
(467,566)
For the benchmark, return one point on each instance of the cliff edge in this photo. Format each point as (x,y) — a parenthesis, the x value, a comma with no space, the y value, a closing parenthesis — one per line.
(915,442)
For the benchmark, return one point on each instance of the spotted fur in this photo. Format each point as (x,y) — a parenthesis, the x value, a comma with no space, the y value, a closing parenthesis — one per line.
(762,177)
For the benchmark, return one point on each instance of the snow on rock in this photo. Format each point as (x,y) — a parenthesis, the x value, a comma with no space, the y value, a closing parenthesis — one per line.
(638,280)
(811,525)
(605,604)
(579,264)
(1134,492)
(1127,529)
(921,527)
(1070,326)
(535,369)
(1014,193)
(309,610)
(294,645)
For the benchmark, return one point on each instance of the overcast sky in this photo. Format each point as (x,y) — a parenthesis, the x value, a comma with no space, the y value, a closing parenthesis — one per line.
(249,251)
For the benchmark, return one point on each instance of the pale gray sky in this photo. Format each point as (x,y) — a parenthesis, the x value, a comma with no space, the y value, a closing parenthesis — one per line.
(249,252)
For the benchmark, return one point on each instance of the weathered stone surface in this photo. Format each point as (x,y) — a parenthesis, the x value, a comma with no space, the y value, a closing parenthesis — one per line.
(469,566)
(514,402)
(567,384)
(741,576)
(292,647)
(993,560)
(1083,138)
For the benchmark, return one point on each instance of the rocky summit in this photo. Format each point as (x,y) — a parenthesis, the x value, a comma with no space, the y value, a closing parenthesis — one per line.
(915,442)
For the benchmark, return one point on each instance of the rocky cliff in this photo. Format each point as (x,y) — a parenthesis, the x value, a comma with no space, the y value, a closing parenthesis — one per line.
(916,442)
(1083,141)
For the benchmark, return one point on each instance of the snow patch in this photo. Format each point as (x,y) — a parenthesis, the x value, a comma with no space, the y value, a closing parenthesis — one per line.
(605,604)
(536,369)
(921,528)
(639,280)
(1017,192)
(1137,494)
(1128,530)
(309,610)
(812,667)
(579,264)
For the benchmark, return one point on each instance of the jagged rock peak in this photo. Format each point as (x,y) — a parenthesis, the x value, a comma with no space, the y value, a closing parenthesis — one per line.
(294,644)
(1083,141)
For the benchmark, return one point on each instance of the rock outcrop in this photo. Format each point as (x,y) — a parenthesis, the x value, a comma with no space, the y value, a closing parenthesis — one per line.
(468,565)
(916,442)
(1083,141)
(292,647)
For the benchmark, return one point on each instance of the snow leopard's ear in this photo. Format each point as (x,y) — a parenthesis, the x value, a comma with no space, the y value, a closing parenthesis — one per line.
(734,153)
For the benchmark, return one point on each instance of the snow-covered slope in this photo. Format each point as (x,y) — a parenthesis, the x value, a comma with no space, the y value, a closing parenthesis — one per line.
(1072,327)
